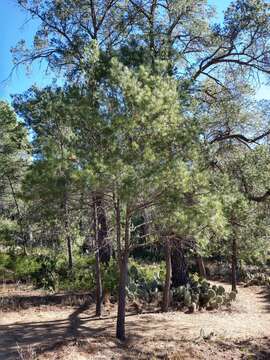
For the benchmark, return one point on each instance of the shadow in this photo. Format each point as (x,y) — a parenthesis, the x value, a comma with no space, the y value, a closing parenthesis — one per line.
(261,350)
(264,294)
(147,336)
(17,302)
(258,348)
(80,328)
(45,335)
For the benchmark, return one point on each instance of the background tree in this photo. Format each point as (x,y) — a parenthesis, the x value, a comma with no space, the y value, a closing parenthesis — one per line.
(14,158)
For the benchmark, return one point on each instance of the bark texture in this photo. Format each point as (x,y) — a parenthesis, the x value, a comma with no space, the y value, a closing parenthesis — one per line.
(167,285)
(234,264)
(179,265)
(105,249)
(97,264)
(121,311)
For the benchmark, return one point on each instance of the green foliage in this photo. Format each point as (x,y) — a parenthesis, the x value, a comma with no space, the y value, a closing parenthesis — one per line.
(81,278)
(110,277)
(145,280)
(26,268)
(5,260)
(14,158)
(50,272)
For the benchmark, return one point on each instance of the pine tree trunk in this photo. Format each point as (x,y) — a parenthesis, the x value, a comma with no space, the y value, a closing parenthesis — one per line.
(67,235)
(123,268)
(121,312)
(167,285)
(201,266)
(234,264)
(69,246)
(97,264)
(179,265)
(98,285)
(105,247)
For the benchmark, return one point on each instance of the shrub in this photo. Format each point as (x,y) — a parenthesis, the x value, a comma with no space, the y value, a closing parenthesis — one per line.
(110,277)
(44,272)
(81,278)
(6,271)
(5,260)
(50,272)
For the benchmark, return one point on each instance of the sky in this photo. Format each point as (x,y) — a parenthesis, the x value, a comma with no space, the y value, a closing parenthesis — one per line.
(14,26)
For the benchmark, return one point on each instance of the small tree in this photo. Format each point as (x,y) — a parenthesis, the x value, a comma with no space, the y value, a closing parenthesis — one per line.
(147,140)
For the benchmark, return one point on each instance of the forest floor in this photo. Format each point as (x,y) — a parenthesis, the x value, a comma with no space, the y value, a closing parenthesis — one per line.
(47,330)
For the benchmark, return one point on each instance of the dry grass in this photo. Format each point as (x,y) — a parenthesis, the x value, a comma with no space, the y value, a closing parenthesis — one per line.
(26,353)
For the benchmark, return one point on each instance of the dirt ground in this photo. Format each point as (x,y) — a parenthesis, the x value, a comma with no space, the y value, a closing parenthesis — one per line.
(57,331)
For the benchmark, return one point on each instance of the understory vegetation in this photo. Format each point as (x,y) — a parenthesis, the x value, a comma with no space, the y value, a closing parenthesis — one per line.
(140,173)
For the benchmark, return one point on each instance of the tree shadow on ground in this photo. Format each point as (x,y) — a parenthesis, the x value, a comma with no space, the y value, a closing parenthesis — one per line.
(82,328)
(45,335)
(265,296)
(17,302)
(147,335)
(258,348)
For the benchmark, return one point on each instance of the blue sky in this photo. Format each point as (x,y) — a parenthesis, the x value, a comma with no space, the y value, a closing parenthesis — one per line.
(14,27)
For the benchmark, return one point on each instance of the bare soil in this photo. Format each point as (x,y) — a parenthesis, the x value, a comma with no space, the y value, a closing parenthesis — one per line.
(47,329)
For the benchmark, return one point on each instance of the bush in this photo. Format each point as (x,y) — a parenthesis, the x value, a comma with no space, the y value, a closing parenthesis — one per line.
(25,268)
(110,276)
(5,261)
(45,274)
(82,277)
(6,272)
(50,272)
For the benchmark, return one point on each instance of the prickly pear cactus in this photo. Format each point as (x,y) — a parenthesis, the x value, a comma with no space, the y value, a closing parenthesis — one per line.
(219,300)
(220,290)
(211,294)
(202,294)
(232,296)
(205,285)
(213,305)
(195,298)
(187,299)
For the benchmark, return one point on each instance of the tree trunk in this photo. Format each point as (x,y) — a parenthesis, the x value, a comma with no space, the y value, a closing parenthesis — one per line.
(179,265)
(201,266)
(67,235)
(121,312)
(30,236)
(97,264)
(234,263)
(70,260)
(105,249)
(167,285)
(123,268)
